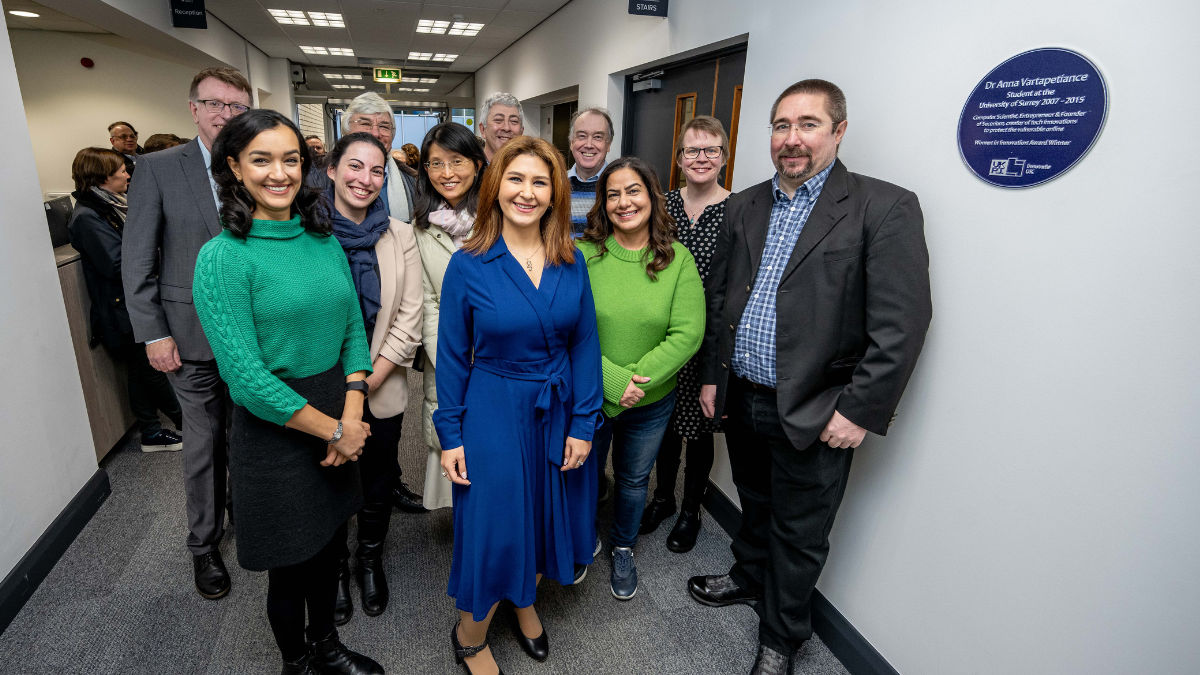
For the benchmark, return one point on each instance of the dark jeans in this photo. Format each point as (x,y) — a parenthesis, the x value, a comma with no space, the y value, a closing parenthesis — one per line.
(635,436)
(695,470)
(379,467)
(789,498)
(312,583)
(149,390)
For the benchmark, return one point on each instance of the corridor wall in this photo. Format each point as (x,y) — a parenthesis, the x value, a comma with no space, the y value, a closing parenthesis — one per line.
(1033,508)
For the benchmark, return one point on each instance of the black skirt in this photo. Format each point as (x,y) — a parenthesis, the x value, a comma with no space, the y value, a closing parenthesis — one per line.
(286,505)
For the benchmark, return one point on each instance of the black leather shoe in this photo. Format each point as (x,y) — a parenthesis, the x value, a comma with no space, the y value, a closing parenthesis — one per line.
(537,648)
(333,658)
(683,536)
(302,666)
(212,579)
(406,500)
(719,591)
(461,652)
(771,662)
(343,607)
(656,512)
(372,529)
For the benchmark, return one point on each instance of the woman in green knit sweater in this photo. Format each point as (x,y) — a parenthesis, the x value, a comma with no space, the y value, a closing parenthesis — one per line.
(274,295)
(650,316)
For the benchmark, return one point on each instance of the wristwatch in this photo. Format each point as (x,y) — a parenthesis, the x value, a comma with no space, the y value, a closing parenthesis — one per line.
(359,385)
(337,435)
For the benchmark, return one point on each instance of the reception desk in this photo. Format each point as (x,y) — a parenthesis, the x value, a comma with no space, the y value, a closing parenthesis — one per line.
(102,377)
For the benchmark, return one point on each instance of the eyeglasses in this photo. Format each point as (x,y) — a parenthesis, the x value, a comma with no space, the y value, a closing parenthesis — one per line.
(455,164)
(367,125)
(126,137)
(805,128)
(214,106)
(711,152)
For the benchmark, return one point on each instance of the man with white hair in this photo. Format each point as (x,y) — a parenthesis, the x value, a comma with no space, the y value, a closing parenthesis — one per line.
(502,121)
(371,114)
(591,138)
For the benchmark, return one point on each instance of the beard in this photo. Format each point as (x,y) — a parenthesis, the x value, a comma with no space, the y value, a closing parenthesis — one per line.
(798,176)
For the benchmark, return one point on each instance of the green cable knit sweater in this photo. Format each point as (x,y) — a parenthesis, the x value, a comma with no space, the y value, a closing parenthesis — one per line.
(279,304)
(647,327)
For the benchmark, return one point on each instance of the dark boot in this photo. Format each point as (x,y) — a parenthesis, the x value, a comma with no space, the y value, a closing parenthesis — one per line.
(406,500)
(343,607)
(301,666)
(332,657)
(683,536)
(373,522)
(656,512)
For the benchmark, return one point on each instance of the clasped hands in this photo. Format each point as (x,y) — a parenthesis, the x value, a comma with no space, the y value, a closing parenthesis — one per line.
(454,461)
(350,445)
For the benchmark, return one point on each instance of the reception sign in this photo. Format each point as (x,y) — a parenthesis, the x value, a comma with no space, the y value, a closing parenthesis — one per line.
(1032,118)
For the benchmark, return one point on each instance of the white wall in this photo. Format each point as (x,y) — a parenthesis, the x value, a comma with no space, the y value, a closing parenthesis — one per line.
(69,107)
(1034,508)
(47,454)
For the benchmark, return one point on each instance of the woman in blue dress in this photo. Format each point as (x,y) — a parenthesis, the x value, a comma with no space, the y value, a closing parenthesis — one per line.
(519,392)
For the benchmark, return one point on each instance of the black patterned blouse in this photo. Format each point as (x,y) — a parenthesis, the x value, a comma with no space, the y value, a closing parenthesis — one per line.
(699,238)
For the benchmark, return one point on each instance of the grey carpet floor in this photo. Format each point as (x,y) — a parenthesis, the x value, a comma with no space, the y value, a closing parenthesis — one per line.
(121,599)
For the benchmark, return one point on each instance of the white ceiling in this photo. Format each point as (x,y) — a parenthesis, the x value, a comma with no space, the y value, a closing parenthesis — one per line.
(48,19)
(383,29)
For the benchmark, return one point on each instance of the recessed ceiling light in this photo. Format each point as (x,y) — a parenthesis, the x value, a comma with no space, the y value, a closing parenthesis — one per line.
(321,51)
(420,56)
(404,89)
(289,17)
(341,51)
(421,80)
(421,90)
(445,57)
(465,29)
(348,86)
(27,15)
(332,76)
(430,26)
(294,17)
(352,77)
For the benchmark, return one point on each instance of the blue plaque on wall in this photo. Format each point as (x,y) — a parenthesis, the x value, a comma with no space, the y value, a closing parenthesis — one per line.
(1032,118)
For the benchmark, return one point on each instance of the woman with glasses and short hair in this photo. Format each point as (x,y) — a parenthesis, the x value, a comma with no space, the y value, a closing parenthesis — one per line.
(450,164)
(698,209)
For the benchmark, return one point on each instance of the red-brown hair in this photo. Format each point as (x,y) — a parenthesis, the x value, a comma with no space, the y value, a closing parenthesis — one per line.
(556,221)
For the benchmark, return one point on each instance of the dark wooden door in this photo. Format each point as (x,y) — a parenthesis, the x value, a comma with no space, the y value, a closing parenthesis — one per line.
(699,87)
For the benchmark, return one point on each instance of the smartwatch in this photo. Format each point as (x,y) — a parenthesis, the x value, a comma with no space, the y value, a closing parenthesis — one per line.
(359,385)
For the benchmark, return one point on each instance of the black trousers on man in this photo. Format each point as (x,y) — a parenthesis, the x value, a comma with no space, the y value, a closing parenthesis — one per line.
(149,390)
(789,497)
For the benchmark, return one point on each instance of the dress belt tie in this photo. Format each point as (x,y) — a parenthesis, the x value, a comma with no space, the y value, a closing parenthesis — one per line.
(552,402)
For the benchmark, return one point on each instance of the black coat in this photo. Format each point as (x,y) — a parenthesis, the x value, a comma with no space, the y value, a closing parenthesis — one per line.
(95,231)
(852,308)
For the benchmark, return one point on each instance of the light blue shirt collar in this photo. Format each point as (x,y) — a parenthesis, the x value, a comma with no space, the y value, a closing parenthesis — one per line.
(812,185)
(593,179)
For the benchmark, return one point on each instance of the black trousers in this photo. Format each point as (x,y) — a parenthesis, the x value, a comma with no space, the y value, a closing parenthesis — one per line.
(312,583)
(789,498)
(695,469)
(379,467)
(149,390)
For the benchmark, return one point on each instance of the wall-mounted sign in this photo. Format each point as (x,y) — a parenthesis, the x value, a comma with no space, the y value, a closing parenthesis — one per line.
(1032,118)
(648,7)
(188,14)
(387,74)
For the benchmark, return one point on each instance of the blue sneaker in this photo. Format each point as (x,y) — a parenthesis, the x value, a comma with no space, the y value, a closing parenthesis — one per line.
(624,573)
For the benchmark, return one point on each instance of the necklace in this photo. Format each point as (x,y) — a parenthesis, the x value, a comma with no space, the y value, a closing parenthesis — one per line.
(529,258)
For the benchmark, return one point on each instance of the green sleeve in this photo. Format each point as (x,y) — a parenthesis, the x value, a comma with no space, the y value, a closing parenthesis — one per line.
(616,379)
(221,291)
(685,330)
(356,355)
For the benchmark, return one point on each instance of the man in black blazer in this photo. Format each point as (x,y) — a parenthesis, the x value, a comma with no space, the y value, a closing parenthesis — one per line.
(818,303)
(172,213)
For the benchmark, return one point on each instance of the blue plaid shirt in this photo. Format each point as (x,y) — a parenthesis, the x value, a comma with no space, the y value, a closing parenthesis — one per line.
(754,345)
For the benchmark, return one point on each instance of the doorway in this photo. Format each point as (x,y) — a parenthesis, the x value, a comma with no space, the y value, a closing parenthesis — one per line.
(706,85)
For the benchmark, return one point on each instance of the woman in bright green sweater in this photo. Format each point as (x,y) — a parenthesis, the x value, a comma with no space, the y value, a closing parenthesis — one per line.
(650,316)
(274,295)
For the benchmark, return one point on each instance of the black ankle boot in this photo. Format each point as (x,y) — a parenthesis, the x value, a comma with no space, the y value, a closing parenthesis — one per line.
(656,512)
(373,522)
(331,657)
(683,536)
(343,608)
(302,666)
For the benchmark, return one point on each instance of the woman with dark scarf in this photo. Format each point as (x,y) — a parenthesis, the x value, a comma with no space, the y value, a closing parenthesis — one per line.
(386,269)
(96,227)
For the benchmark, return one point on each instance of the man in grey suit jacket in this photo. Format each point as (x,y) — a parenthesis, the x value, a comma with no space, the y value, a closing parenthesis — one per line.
(172,213)
(818,303)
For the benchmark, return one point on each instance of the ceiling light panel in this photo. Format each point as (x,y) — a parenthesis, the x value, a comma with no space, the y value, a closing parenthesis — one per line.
(421,56)
(434,27)
(348,86)
(465,29)
(289,17)
(294,17)
(327,19)
(341,51)
(420,80)
(445,57)
(319,51)
(21,13)
(332,76)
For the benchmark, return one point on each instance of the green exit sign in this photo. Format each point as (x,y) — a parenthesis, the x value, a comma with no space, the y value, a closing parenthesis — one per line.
(387,74)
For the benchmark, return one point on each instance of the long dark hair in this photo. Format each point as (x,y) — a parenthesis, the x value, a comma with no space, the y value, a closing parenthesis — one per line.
(237,205)
(662,225)
(452,137)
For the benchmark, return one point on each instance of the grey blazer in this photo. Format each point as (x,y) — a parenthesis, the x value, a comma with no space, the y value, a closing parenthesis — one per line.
(172,214)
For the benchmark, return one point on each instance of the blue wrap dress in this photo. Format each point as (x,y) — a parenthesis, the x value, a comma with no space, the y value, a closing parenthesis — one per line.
(518,371)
